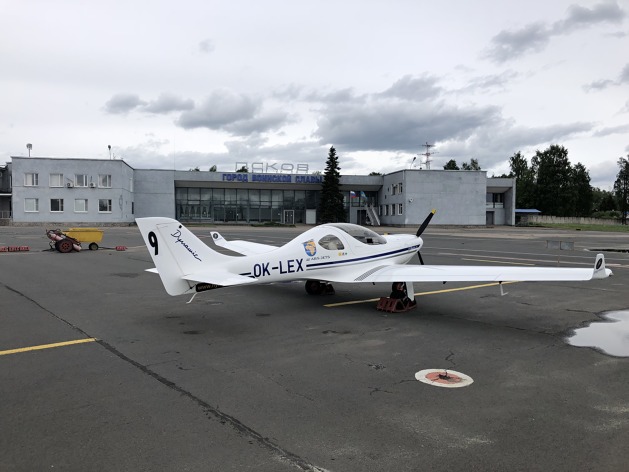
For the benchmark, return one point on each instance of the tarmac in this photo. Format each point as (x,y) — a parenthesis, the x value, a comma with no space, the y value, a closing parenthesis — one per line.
(101,370)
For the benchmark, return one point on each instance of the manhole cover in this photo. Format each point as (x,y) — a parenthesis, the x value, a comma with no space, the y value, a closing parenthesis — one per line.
(444,378)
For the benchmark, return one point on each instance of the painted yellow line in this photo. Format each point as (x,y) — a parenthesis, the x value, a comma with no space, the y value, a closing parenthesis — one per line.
(47,346)
(497,262)
(421,294)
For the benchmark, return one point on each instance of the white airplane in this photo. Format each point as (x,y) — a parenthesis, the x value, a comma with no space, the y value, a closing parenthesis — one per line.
(333,252)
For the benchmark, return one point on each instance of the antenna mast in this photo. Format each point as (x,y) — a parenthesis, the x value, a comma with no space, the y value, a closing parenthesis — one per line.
(428,154)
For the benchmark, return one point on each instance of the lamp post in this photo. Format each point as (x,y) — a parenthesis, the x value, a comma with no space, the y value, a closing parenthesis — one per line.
(29,146)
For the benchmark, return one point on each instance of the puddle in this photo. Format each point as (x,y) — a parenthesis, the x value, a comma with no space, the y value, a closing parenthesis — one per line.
(611,335)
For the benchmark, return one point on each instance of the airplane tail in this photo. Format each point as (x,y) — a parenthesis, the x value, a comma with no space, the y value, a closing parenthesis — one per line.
(176,252)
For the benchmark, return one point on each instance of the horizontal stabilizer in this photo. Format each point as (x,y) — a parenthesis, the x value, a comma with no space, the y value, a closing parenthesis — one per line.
(216,277)
(246,248)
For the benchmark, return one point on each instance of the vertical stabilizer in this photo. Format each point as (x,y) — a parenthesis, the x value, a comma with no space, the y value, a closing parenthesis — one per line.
(176,252)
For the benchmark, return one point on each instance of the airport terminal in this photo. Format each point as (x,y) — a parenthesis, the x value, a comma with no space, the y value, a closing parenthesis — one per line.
(37,190)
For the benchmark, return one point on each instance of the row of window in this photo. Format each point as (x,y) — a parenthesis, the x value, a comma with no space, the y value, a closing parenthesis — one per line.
(387,210)
(31,205)
(31,179)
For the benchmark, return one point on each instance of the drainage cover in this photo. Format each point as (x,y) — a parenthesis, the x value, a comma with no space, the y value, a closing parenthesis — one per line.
(443,378)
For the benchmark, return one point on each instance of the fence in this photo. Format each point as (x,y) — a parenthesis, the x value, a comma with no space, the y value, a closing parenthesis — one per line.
(570,220)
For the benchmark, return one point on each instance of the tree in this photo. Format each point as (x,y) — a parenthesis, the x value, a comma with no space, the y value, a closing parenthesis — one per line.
(582,190)
(212,169)
(473,165)
(451,165)
(524,181)
(621,188)
(243,169)
(331,208)
(375,173)
(554,190)
(603,200)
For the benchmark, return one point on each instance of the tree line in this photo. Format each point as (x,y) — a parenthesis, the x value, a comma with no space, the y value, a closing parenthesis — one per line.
(554,186)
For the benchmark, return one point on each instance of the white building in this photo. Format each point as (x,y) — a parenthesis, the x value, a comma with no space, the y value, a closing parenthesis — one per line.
(102,192)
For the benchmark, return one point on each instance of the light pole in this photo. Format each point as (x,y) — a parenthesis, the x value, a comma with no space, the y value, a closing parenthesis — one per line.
(29,146)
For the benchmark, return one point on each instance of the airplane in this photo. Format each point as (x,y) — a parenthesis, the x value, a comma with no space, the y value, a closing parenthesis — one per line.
(322,255)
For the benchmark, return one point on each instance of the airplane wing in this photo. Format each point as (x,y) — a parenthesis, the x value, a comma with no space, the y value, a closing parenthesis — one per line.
(452,273)
(246,248)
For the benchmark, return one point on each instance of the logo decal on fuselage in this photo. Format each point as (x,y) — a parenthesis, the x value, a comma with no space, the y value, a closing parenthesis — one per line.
(310,247)
(177,236)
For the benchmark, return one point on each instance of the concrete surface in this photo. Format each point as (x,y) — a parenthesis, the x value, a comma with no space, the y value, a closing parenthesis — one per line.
(267,378)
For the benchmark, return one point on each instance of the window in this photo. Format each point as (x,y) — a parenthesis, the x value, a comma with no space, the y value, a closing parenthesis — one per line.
(401,187)
(56,204)
(104,181)
(364,235)
(386,210)
(80,180)
(331,243)
(80,205)
(392,209)
(31,179)
(104,205)
(394,190)
(31,204)
(399,208)
(56,180)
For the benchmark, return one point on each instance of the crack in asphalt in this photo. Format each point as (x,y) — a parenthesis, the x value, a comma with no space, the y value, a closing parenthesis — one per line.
(223,418)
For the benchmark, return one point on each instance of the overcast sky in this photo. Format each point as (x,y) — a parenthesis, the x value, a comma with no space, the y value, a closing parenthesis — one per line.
(197,83)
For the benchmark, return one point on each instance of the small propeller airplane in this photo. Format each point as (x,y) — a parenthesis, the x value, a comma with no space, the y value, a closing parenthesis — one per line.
(332,252)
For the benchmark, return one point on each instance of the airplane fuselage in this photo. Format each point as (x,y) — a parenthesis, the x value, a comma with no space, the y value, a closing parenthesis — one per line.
(305,258)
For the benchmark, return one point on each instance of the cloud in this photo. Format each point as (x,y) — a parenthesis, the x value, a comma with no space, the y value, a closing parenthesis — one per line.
(612,130)
(508,45)
(416,89)
(222,108)
(582,17)
(392,125)
(623,78)
(237,114)
(601,84)
(624,75)
(167,103)
(534,37)
(489,83)
(206,46)
(122,103)
(493,145)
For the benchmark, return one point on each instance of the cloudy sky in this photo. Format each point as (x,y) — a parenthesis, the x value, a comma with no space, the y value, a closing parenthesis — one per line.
(200,83)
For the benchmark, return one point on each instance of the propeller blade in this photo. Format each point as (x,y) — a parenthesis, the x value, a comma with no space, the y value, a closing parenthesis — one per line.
(420,257)
(425,223)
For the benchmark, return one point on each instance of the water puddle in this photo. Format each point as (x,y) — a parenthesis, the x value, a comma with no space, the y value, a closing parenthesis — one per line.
(611,335)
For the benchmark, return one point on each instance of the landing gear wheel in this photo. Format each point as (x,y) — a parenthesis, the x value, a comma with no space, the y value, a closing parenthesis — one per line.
(314,287)
(93,246)
(64,246)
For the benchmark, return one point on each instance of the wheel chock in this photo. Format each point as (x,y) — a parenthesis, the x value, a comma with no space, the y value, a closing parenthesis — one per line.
(14,249)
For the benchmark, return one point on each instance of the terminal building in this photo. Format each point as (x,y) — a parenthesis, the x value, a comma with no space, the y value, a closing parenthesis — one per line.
(36,190)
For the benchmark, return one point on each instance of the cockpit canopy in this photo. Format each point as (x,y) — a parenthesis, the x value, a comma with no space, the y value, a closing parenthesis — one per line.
(364,235)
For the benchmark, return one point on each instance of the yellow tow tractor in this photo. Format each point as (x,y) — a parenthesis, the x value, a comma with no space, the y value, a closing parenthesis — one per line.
(71,239)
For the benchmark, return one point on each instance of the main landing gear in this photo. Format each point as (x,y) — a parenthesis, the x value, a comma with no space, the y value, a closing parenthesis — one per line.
(316,287)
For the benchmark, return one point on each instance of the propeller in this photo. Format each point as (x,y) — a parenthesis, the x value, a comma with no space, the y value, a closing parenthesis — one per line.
(422,228)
